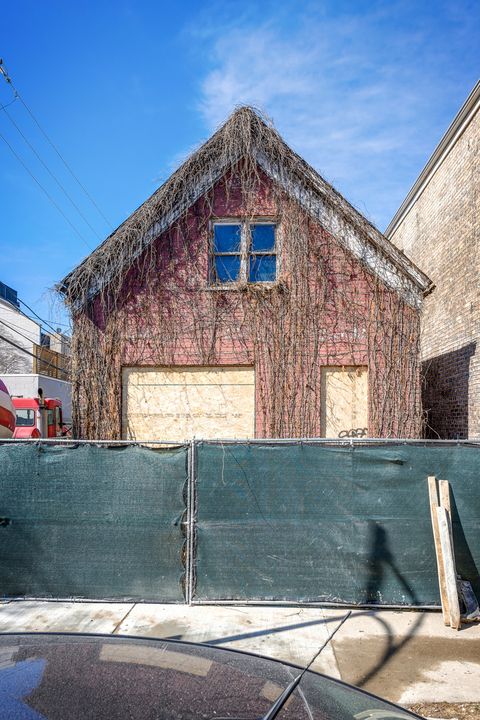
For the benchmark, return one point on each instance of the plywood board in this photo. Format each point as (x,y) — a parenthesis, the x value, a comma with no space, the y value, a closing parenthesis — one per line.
(344,401)
(177,404)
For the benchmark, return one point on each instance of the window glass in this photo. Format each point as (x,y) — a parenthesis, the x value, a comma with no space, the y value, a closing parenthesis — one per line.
(51,417)
(227,268)
(25,418)
(263,237)
(227,238)
(243,251)
(263,268)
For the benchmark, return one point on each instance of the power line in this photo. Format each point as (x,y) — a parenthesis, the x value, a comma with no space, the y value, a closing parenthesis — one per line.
(25,337)
(25,166)
(18,330)
(44,322)
(57,322)
(10,103)
(52,174)
(8,79)
(21,327)
(47,364)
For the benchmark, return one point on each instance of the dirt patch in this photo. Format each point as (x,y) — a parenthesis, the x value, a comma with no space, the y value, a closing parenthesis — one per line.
(461,711)
(387,666)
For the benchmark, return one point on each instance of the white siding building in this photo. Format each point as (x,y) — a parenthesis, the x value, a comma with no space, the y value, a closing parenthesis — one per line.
(19,335)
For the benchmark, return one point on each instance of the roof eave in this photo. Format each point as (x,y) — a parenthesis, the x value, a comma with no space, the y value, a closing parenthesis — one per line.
(312,191)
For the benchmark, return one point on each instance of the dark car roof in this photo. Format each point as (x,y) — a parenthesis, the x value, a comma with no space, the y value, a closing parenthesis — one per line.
(103,676)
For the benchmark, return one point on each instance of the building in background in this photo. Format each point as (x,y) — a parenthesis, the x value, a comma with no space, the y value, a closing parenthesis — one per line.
(32,357)
(20,336)
(438,227)
(246,298)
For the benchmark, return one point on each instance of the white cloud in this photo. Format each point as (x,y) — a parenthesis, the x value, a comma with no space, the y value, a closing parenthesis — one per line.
(354,94)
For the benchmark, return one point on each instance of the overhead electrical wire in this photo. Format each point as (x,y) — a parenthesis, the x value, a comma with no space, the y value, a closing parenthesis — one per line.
(57,322)
(21,329)
(52,174)
(8,79)
(55,204)
(18,330)
(46,363)
(13,329)
(44,322)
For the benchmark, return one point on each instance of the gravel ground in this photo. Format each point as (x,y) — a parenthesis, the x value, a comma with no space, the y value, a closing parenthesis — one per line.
(461,711)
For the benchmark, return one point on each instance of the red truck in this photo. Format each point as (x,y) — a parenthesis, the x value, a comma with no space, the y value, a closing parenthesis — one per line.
(38,417)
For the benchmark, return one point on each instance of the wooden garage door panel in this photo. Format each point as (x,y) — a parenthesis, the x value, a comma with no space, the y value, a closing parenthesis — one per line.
(181,403)
(344,400)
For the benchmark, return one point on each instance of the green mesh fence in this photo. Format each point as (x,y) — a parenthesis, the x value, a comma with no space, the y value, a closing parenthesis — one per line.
(91,522)
(305,522)
(293,522)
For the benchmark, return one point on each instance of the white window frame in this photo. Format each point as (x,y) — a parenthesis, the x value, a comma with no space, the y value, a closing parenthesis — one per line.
(245,252)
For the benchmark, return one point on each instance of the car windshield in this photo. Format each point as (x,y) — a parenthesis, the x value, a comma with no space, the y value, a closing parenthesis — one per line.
(25,417)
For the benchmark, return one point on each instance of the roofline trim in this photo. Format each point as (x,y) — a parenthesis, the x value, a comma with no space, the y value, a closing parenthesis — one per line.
(361,245)
(317,197)
(453,133)
(365,243)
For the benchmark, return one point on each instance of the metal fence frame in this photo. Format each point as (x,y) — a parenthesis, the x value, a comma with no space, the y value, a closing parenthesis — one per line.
(191,496)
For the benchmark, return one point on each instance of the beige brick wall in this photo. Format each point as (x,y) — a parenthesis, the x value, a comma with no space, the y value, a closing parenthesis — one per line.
(440,233)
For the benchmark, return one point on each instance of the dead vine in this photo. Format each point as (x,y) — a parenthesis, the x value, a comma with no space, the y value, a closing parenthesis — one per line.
(143,297)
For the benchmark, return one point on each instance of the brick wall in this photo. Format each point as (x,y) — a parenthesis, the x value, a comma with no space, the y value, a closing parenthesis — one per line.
(440,233)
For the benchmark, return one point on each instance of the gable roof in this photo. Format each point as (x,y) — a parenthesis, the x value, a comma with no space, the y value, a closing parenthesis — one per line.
(245,134)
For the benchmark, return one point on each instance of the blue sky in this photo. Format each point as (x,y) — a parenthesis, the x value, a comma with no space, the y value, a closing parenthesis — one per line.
(363,90)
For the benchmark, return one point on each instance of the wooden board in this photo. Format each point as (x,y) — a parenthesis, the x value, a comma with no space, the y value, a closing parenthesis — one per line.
(444,488)
(449,566)
(433,496)
(344,393)
(180,403)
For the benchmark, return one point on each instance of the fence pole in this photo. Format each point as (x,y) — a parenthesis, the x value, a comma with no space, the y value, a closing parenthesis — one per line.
(191,495)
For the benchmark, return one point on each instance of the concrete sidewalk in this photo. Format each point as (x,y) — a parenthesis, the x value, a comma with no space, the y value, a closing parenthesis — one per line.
(408,657)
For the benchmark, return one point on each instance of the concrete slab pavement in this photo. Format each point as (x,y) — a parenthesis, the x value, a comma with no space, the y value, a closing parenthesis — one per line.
(407,657)
(292,634)
(58,616)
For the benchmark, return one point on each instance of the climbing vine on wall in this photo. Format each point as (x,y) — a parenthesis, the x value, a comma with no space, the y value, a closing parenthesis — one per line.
(144,298)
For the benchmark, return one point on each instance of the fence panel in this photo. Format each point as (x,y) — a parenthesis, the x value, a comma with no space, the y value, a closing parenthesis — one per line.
(309,522)
(92,522)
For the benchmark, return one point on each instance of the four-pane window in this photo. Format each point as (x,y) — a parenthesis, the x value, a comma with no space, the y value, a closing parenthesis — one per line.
(244,252)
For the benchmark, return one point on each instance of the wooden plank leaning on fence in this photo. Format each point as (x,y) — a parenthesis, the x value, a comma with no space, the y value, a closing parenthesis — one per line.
(440,512)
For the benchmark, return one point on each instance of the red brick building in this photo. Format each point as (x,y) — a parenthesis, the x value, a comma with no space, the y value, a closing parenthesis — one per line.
(246,298)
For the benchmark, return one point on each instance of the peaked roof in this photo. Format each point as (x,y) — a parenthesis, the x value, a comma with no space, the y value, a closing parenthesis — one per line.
(245,134)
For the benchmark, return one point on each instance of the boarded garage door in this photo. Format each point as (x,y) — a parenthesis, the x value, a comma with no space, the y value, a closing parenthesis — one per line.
(344,401)
(181,403)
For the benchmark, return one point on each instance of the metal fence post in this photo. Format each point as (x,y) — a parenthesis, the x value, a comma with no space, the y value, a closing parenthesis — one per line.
(191,504)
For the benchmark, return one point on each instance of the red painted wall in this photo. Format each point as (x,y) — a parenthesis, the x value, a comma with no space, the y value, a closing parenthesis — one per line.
(326,309)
